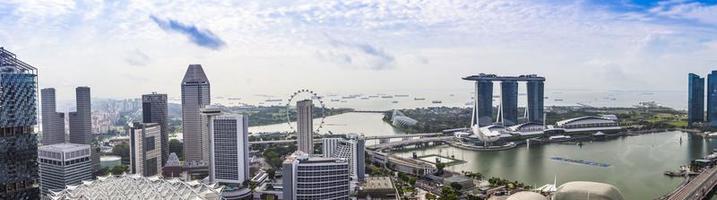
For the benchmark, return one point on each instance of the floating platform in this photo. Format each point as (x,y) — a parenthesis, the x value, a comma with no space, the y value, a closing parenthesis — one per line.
(583,162)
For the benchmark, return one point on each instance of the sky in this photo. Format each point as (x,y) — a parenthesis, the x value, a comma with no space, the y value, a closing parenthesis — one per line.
(126,48)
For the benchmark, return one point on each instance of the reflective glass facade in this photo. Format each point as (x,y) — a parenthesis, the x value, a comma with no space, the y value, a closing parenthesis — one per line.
(483,108)
(712,98)
(18,116)
(696,99)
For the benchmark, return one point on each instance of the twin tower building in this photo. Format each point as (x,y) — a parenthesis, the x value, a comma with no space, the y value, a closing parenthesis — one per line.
(696,99)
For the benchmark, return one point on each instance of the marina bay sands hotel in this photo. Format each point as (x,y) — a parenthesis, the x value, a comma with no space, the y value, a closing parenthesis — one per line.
(508,107)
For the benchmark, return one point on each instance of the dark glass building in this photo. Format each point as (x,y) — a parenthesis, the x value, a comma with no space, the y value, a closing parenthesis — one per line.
(696,99)
(509,102)
(483,100)
(154,110)
(535,101)
(712,98)
(18,116)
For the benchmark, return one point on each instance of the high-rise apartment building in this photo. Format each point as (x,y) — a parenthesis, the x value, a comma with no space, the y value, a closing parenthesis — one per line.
(305,127)
(145,149)
(81,120)
(62,165)
(18,116)
(195,95)
(306,177)
(352,149)
(229,152)
(154,110)
(696,99)
(53,122)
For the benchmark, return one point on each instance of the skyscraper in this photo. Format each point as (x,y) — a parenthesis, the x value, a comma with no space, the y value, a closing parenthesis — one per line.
(483,103)
(53,123)
(18,116)
(306,177)
(195,95)
(509,102)
(229,142)
(535,101)
(352,149)
(305,127)
(696,99)
(712,98)
(145,149)
(154,110)
(62,165)
(81,120)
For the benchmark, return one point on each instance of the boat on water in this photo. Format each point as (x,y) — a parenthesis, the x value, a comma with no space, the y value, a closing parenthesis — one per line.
(364,98)
(558,99)
(559,138)
(578,161)
(419,99)
(401,95)
(335,100)
(373,96)
(436,102)
(394,102)
(387,96)
(273,100)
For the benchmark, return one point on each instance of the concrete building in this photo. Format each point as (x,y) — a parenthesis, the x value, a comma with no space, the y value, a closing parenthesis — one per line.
(145,149)
(53,123)
(305,127)
(229,152)
(378,188)
(195,95)
(352,149)
(154,110)
(18,116)
(536,98)
(62,165)
(305,177)
(696,99)
(509,103)
(508,112)
(81,120)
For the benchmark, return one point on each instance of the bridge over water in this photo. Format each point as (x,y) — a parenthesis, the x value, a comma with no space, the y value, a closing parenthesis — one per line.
(697,188)
(383,138)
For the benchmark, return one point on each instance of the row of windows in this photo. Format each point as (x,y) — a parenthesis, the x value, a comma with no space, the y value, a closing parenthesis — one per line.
(323,173)
(323,167)
(322,179)
(321,185)
(70,162)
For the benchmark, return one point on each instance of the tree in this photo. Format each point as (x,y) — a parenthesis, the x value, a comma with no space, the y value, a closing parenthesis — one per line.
(430,196)
(271,172)
(456,186)
(177,147)
(119,169)
(122,150)
(440,167)
(447,193)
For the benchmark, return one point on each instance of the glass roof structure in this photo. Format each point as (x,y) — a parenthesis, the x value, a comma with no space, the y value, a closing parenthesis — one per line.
(135,187)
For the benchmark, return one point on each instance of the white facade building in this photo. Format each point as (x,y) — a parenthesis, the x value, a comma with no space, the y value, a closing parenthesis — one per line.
(145,149)
(352,149)
(306,177)
(63,164)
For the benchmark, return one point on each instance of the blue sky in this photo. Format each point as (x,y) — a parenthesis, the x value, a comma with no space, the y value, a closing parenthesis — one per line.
(128,47)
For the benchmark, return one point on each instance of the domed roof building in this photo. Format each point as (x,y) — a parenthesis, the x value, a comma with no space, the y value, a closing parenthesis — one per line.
(584,190)
(526,196)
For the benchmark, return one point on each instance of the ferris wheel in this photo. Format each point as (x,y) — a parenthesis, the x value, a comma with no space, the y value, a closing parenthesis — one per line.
(316,100)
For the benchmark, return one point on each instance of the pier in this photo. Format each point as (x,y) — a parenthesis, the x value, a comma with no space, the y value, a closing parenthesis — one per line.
(695,188)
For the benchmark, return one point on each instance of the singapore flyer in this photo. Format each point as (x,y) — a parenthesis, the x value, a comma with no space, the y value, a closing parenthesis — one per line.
(316,100)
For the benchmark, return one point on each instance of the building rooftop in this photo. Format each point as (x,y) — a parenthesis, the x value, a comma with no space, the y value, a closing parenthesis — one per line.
(376,183)
(493,77)
(195,74)
(64,147)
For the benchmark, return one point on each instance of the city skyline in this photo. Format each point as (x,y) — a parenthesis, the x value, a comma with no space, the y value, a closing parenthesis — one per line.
(619,45)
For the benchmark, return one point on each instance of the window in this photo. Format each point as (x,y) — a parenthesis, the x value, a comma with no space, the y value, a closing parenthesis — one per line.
(149,143)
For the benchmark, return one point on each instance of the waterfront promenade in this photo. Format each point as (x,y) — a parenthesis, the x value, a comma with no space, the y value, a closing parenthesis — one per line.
(697,188)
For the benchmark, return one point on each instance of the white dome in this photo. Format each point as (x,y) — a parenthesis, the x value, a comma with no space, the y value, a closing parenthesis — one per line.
(526,196)
(583,190)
